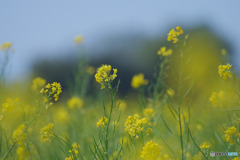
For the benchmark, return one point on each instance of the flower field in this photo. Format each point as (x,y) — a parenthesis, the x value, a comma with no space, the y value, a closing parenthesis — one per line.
(188,108)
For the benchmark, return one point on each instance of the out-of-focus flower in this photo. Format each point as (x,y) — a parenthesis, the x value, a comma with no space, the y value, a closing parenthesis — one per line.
(138,80)
(75,102)
(62,115)
(216,98)
(223,51)
(224,71)
(164,52)
(104,76)
(173,34)
(102,122)
(204,146)
(151,151)
(122,104)
(78,39)
(9,105)
(134,125)
(90,70)
(170,92)
(19,135)
(38,83)
(46,133)
(148,112)
(5,45)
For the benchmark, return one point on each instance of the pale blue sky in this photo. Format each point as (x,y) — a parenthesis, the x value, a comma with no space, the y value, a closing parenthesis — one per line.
(49,25)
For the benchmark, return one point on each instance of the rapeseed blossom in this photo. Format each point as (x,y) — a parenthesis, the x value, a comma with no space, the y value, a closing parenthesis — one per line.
(173,34)
(134,125)
(216,98)
(224,71)
(102,122)
(151,151)
(164,52)
(78,39)
(46,133)
(53,89)
(231,135)
(138,80)
(19,135)
(104,76)
(5,45)
(204,146)
(75,102)
(38,83)
(9,105)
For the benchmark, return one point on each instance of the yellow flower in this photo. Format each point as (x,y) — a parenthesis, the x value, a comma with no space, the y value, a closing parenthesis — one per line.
(204,146)
(19,135)
(134,125)
(173,34)
(151,151)
(148,112)
(9,105)
(231,134)
(38,83)
(216,98)
(75,102)
(90,70)
(75,148)
(5,45)
(224,71)
(149,130)
(138,80)
(223,51)
(170,92)
(46,133)
(104,76)
(102,122)
(164,52)
(78,39)
(53,89)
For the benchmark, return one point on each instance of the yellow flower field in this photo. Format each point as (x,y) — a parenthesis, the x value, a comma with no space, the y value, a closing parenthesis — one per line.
(188,108)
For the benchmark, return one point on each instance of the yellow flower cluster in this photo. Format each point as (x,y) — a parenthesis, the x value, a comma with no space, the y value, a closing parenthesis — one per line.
(5,45)
(134,125)
(224,71)
(9,105)
(52,89)
(173,34)
(46,133)
(164,52)
(75,102)
(38,83)
(204,146)
(236,158)
(231,134)
(104,76)
(78,39)
(102,122)
(216,98)
(138,80)
(73,151)
(20,136)
(148,112)
(151,151)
